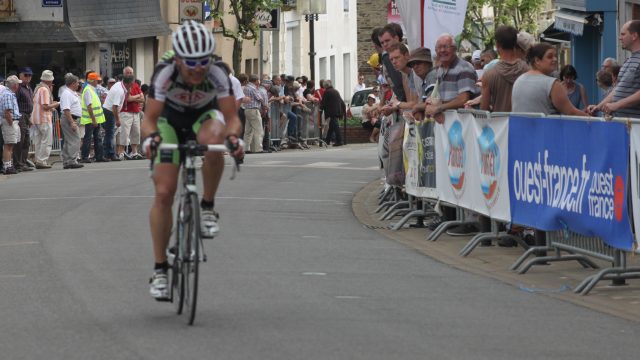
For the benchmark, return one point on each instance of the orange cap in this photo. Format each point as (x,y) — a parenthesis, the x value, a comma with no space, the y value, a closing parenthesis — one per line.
(93,76)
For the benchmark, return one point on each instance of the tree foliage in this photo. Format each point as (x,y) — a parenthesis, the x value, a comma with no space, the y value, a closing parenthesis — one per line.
(246,27)
(521,14)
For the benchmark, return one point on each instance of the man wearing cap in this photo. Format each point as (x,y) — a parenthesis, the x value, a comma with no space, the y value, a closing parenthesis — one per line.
(42,117)
(25,104)
(10,118)
(92,117)
(476,61)
(71,112)
(371,117)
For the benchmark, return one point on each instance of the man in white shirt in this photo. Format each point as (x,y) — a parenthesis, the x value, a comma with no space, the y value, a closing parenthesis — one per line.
(360,85)
(113,104)
(71,112)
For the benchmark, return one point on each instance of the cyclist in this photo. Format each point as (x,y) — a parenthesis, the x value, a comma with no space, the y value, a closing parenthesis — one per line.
(190,98)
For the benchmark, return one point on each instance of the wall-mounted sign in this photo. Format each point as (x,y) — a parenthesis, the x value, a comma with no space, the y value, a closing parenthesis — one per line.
(268,20)
(191,10)
(51,3)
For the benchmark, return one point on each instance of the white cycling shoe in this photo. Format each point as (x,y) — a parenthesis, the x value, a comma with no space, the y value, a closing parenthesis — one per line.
(209,223)
(159,286)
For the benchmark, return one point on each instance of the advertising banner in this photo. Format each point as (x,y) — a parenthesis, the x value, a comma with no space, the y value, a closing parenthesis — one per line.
(635,178)
(454,159)
(566,174)
(442,16)
(491,142)
(419,157)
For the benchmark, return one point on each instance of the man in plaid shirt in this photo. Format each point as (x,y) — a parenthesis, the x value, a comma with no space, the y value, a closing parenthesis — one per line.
(10,119)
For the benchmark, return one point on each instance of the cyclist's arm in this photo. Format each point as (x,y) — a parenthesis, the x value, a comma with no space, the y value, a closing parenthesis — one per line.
(153,110)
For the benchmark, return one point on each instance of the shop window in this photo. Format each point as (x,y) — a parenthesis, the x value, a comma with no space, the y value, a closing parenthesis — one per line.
(635,12)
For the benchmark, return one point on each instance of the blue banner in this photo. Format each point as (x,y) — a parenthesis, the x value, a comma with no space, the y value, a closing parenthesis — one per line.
(566,174)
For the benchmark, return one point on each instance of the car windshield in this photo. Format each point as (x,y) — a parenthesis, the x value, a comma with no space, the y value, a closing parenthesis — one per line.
(360,98)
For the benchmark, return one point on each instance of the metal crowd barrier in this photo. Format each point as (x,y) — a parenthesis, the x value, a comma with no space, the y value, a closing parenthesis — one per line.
(563,245)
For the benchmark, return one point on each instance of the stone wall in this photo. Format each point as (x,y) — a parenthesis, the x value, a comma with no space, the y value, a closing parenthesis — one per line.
(371,14)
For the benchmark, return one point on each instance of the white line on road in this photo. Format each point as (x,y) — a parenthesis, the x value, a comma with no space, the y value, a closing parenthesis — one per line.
(20,243)
(12,276)
(314,274)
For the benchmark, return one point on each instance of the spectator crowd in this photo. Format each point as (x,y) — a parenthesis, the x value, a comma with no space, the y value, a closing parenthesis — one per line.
(519,75)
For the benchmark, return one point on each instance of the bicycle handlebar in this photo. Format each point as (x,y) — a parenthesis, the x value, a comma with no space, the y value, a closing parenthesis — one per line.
(195,149)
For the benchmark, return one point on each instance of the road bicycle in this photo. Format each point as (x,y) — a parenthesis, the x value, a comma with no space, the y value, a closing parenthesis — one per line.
(187,250)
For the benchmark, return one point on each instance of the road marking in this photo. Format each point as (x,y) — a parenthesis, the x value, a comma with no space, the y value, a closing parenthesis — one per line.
(326,164)
(349,297)
(20,243)
(314,274)
(272,162)
(12,276)
(311,237)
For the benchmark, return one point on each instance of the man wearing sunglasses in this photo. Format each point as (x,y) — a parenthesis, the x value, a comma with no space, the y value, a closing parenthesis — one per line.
(190,98)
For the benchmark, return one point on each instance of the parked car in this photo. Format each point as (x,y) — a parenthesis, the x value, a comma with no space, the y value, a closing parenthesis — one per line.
(358,100)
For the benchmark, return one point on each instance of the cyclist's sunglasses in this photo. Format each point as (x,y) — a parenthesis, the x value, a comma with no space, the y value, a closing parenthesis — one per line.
(193,63)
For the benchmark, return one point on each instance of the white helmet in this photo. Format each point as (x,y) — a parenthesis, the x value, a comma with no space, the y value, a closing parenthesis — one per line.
(192,40)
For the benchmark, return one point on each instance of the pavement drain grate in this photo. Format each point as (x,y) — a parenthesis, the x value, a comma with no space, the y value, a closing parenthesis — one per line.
(375,227)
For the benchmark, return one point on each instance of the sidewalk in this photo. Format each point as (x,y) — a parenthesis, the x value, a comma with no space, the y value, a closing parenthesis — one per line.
(556,280)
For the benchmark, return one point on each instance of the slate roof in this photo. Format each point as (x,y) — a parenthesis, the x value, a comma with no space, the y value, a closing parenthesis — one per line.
(36,32)
(115,20)
(92,21)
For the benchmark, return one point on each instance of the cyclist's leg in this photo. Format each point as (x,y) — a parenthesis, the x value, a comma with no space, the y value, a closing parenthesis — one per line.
(210,129)
(165,179)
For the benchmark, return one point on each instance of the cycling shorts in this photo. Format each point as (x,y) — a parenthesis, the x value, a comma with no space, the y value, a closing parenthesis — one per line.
(178,129)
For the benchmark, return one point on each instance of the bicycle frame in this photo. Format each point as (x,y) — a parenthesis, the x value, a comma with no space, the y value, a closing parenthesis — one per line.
(189,246)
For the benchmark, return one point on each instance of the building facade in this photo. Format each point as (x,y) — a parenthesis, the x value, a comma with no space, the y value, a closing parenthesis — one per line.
(78,35)
(371,14)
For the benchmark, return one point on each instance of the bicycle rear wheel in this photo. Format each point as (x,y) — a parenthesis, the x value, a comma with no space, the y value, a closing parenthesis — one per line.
(190,269)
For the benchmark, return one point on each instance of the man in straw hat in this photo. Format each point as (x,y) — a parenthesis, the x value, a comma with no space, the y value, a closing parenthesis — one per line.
(42,118)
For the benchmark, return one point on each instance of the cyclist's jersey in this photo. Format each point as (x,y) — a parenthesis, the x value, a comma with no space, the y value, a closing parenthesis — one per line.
(186,106)
(183,99)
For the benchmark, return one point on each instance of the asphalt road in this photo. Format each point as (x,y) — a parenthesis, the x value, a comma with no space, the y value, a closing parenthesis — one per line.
(292,275)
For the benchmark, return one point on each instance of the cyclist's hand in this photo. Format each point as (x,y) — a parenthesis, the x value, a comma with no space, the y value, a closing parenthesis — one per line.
(150,144)
(235,146)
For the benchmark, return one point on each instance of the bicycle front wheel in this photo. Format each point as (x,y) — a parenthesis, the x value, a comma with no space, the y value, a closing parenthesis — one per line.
(192,257)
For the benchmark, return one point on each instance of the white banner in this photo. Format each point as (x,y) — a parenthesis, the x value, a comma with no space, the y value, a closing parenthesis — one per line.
(454,158)
(471,163)
(442,16)
(411,21)
(490,137)
(634,160)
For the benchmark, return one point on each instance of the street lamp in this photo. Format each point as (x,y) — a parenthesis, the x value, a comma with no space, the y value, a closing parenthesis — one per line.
(311,9)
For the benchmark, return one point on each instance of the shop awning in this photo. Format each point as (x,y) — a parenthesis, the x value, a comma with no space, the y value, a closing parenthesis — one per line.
(551,34)
(115,20)
(92,21)
(29,32)
(570,21)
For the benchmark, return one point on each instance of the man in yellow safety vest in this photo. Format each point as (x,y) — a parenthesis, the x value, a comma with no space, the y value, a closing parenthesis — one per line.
(92,117)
